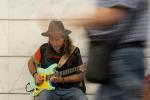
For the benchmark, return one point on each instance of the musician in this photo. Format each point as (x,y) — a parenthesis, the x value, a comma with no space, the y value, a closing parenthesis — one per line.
(67,87)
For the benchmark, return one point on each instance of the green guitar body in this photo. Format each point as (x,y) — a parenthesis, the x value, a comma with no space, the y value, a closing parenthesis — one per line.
(36,89)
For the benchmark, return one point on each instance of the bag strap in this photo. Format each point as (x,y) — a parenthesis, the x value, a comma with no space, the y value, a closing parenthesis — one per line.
(65,57)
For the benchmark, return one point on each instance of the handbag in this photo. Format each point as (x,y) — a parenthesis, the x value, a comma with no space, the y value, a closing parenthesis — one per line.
(98,67)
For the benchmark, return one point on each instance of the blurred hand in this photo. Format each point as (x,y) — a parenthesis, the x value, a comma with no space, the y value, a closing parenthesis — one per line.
(38,79)
(56,79)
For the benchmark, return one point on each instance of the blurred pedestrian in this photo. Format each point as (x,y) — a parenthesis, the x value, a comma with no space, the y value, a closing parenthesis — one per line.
(124,21)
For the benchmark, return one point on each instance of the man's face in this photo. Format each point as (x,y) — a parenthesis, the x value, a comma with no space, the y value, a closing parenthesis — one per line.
(56,42)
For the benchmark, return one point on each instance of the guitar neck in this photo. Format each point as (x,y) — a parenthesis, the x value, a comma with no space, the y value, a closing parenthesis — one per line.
(68,71)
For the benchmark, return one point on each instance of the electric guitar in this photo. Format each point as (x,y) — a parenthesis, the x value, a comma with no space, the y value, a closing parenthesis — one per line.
(35,89)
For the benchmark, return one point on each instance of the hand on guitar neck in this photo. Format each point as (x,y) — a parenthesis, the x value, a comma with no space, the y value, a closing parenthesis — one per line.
(56,79)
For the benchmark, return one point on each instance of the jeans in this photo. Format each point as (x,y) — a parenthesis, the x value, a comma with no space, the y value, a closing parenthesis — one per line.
(62,94)
(127,72)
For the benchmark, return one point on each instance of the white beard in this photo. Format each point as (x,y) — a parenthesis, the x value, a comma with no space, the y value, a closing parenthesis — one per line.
(56,48)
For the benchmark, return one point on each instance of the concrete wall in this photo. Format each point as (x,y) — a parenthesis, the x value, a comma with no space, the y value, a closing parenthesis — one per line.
(21,23)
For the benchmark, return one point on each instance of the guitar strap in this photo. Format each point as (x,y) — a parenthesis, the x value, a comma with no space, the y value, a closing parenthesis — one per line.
(65,57)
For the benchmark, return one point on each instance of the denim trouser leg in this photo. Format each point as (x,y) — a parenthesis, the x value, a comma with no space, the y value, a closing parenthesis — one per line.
(71,94)
(62,94)
(48,95)
(127,76)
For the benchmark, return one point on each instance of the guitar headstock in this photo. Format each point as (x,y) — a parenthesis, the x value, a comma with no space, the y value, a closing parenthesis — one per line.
(82,67)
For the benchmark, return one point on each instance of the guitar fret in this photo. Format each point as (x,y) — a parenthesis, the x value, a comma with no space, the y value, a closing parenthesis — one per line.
(60,73)
(69,71)
(75,69)
(65,72)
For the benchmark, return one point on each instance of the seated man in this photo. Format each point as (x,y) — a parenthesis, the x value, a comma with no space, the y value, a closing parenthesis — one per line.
(67,87)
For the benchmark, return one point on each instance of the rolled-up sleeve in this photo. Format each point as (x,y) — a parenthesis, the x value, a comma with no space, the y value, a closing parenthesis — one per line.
(37,57)
(131,4)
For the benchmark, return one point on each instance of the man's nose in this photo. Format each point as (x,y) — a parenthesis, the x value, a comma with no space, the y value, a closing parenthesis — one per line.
(55,44)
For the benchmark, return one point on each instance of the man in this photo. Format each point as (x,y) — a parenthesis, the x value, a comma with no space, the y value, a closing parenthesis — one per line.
(124,21)
(67,87)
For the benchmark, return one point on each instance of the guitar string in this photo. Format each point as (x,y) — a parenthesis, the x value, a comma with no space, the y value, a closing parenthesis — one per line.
(67,71)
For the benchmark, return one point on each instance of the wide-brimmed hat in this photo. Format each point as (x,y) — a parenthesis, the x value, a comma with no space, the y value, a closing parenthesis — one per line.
(56,28)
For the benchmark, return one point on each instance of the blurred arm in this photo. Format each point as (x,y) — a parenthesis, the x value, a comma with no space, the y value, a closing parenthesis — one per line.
(103,17)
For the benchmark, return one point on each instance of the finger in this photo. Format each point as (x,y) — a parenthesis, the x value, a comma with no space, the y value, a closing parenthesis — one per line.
(40,81)
(53,79)
(56,73)
(41,77)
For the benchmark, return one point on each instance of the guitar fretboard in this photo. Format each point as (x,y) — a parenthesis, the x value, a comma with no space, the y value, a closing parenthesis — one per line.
(68,71)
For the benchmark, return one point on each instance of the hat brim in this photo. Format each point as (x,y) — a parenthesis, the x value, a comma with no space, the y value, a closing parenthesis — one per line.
(46,34)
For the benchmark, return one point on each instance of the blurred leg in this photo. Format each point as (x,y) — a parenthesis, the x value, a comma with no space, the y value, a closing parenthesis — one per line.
(127,76)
